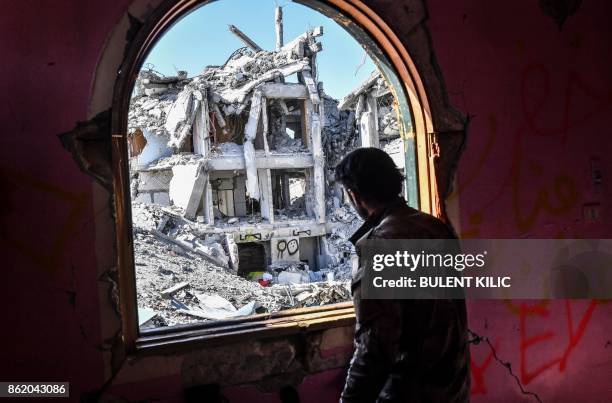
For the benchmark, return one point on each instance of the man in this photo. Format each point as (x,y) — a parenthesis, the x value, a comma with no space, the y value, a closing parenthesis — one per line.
(405,350)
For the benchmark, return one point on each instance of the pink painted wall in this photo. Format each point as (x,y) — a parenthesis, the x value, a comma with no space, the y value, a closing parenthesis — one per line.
(539,100)
(49,300)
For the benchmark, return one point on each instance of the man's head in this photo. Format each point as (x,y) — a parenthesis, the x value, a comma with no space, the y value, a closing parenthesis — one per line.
(370,178)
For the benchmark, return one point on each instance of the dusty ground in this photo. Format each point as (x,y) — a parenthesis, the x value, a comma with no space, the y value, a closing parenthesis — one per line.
(161,264)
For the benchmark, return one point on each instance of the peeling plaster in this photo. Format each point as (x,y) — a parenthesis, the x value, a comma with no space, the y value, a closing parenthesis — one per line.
(90,146)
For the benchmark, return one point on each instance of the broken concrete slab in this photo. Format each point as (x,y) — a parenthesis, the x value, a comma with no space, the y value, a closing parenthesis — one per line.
(179,113)
(187,187)
(169,291)
(215,307)
(145,315)
(293,277)
(312,88)
(284,91)
(367,130)
(188,247)
(244,38)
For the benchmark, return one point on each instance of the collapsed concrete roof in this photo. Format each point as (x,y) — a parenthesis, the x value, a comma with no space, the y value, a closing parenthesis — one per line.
(376,84)
(166,106)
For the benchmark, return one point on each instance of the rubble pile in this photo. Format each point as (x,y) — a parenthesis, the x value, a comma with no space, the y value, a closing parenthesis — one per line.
(166,106)
(339,134)
(235,209)
(387,121)
(185,276)
(343,222)
(394,146)
(183,158)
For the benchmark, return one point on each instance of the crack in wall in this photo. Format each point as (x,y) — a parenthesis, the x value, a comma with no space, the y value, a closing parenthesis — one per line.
(477,339)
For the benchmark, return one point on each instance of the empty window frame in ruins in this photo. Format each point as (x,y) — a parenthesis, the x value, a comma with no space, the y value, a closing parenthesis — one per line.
(247,179)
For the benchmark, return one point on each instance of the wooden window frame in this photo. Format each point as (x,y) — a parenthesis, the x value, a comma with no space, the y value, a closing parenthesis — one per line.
(262,325)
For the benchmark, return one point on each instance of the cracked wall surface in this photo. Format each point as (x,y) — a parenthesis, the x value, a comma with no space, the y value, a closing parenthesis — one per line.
(531,95)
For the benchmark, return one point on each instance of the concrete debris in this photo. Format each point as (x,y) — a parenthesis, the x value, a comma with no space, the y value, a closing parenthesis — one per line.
(316,294)
(278,24)
(250,131)
(395,148)
(167,105)
(215,307)
(374,96)
(228,148)
(206,253)
(145,316)
(159,267)
(244,38)
(169,291)
(174,160)
(234,206)
(177,265)
(373,83)
(293,277)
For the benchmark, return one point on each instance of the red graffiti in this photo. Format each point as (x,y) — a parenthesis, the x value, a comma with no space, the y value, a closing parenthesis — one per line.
(575,85)
(529,368)
(478,371)
(580,103)
(574,337)
(526,342)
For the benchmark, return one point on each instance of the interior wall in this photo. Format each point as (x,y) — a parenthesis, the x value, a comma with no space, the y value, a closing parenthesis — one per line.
(537,97)
(536,93)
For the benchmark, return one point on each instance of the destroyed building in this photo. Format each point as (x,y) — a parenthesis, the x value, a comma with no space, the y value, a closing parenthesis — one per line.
(374,118)
(238,149)
(232,170)
(231,163)
(521,117)
(236,163)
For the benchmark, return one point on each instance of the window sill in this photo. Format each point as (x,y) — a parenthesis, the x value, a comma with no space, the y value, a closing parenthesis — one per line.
(282,323)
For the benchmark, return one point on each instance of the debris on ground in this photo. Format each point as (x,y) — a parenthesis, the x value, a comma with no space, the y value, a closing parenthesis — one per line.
(235,210)
(185,286)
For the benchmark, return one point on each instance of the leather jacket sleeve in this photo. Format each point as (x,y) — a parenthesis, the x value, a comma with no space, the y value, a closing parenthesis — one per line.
(377,350)
(403,349)
(406,350)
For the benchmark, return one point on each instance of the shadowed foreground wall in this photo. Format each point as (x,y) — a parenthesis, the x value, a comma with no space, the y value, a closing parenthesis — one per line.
(539,98)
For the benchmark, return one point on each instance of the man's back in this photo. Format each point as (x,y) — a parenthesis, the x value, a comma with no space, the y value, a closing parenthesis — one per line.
(407,350)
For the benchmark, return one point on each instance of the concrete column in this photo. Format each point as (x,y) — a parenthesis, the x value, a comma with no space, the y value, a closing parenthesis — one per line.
(285,190)
(367,130)
(265,200)
(318,170)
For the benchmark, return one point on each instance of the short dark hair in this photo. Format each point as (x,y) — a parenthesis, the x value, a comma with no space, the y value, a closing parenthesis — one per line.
(371,174)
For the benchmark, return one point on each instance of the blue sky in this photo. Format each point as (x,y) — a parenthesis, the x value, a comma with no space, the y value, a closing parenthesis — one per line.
(202,38)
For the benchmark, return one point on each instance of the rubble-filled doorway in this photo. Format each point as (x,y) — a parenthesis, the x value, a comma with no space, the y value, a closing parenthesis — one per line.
(252,256)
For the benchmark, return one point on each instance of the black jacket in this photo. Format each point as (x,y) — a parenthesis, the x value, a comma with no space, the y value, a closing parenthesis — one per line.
(407,350)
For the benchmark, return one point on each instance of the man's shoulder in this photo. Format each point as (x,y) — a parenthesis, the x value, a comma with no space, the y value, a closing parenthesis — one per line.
(406,222)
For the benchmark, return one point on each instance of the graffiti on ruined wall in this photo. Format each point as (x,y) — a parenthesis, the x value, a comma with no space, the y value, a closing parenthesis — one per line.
(558,193)
(285,249)
(577,317)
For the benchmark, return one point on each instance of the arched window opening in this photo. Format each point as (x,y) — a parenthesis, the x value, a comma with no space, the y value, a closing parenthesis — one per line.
(230,153)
